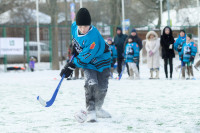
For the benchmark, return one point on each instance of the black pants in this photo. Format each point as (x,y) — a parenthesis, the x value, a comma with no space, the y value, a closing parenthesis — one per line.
(119,65)
(170,62)
(138,67)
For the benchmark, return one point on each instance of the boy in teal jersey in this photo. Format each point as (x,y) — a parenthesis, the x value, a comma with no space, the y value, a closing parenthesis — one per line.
(93,55)
(132,52)
(188,53)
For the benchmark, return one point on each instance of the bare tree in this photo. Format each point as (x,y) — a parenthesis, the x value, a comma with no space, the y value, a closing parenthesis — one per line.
(53,11)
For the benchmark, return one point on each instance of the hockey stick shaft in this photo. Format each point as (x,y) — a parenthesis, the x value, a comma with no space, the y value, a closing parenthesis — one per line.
(51,101)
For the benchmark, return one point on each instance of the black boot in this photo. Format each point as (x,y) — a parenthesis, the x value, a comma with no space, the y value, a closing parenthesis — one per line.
(170,75)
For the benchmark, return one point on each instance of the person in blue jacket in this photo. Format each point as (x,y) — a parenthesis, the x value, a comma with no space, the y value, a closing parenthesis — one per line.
(93,55)
(131,54)
(187,54)
(179,44)
(113,51)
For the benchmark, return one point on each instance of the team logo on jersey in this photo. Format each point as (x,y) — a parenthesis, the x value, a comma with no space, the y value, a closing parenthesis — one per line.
(76,45)
(136,45)
(92,45)
(194,45)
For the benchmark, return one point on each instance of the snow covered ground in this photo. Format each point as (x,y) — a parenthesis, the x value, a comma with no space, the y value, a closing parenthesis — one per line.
(139,106)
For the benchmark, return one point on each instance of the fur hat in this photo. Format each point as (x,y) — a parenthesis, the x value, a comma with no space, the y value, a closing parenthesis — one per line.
(152,33)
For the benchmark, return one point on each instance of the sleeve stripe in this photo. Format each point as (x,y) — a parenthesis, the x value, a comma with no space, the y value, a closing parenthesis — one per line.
(103,63)
(80,62)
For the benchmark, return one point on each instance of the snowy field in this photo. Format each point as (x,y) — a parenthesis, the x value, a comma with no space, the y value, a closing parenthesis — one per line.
(138,106)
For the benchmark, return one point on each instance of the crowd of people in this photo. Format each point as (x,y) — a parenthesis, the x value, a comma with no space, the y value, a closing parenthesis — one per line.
(125,51)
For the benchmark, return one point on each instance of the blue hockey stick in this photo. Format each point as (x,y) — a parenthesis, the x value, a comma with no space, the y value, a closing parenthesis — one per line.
(51,101)
(120,76)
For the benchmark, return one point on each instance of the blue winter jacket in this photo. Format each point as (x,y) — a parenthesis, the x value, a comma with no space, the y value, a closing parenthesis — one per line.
(113,51)
(188,50)
(179,44)
(132,51)
(93,51)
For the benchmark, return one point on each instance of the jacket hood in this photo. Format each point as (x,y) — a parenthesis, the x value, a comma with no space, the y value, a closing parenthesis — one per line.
(170,34)
(181,37)
(152,33)
(119,28)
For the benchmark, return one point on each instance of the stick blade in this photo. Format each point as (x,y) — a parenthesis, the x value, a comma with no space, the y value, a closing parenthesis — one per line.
(42,102)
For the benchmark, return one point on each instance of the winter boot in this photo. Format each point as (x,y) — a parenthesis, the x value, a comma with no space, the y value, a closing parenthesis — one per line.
(170,75)
(102,113)
(183,72)
(91,116)
(166,75)
(157,74)
(151,74)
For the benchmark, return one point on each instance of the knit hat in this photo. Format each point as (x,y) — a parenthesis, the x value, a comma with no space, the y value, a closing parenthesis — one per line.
(182,30)
(83,17)
(133,30)
(130,37)
(119,28)
(109,39)
(189,35)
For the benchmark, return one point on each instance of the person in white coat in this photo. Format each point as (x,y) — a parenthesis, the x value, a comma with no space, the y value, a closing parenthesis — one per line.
(153,53)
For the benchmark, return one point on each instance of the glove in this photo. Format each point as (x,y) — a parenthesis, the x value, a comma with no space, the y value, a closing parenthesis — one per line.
(74,52)
(68,70)
(192,58)
(171,46)
(150,53)
(181,57)
(179,48)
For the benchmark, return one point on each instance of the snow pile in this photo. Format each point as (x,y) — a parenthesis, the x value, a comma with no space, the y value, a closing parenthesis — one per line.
(182,17)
